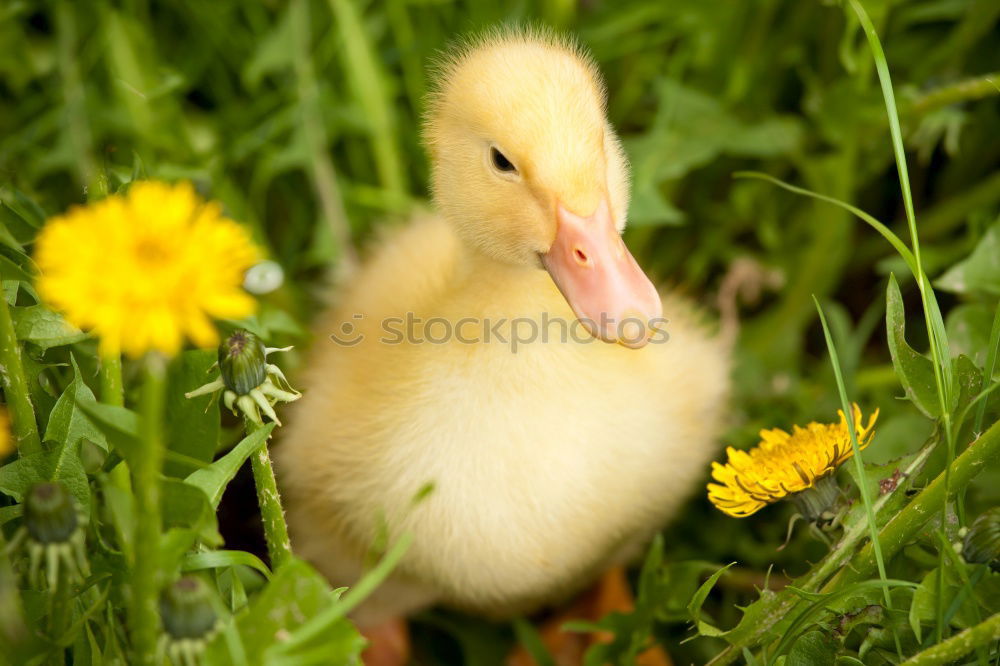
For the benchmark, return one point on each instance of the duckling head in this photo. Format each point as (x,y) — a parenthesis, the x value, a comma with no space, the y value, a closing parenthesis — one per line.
(528,170)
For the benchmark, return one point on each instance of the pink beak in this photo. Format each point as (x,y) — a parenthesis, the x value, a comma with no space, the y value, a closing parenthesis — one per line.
(600,278)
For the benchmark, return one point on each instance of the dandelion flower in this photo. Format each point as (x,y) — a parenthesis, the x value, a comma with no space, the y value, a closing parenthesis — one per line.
(147,270)
(785,464)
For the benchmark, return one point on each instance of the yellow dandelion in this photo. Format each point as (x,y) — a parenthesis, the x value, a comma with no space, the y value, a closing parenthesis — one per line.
(784,464)
(146,270)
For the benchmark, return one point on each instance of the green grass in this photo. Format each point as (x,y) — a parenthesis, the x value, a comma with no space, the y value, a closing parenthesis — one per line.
(302,117)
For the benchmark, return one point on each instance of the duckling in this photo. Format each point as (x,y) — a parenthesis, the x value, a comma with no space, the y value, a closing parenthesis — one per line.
(506,352)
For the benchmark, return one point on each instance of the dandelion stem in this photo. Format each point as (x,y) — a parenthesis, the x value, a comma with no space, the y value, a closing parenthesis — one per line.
(279,547)
(113,393)
(958,645)
(146,481)
(15,386)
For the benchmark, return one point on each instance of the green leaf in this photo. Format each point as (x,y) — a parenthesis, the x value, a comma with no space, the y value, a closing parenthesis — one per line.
(822,605)
(274,52)
(61,463)
(277,322)
(42,327)
(968,326)
(691,128)
(218,559)
(192,425)
(214,478)
(923,609)
(340,643)
(175,543)
(980,271)
(17,476)
(650,208)
(915,371)
(11,270)
(65,466)
(295,594)
(529,638)
(812,648)
(187,518)
(120,514)
(68,422)
(9,513)
(16,231)
(631,630)
(694,606)
(182,504)
(24,207)
(85,649)
(970,382)
(119,425)
(987,590)
(321,624)
(6,237)
(41,386)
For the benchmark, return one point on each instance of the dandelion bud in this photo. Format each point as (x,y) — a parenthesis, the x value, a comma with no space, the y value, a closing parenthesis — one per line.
(49,513)
(242,362)
(249,384)
(982,542)
(52,535)
(186,609)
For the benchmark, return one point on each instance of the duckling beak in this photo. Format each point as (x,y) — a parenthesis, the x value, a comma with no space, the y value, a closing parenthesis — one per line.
(600,278)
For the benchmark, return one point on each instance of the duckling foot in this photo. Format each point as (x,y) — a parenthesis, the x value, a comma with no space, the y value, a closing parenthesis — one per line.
(611,593)
(388,643)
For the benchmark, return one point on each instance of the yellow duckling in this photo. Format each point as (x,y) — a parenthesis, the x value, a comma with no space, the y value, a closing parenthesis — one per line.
(472,353)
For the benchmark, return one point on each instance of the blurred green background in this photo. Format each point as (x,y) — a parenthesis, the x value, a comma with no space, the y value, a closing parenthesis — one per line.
(303,118)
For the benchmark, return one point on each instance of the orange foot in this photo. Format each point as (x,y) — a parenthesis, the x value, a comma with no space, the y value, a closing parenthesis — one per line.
(388,643)
(610,593)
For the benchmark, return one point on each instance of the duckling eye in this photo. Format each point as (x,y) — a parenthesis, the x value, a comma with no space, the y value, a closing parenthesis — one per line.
(500,162)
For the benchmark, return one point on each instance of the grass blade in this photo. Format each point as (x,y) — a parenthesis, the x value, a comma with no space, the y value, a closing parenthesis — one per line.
(943,371)
(886,232)
(859,466)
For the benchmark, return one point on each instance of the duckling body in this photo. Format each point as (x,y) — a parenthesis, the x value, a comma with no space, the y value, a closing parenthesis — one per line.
(550,453)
